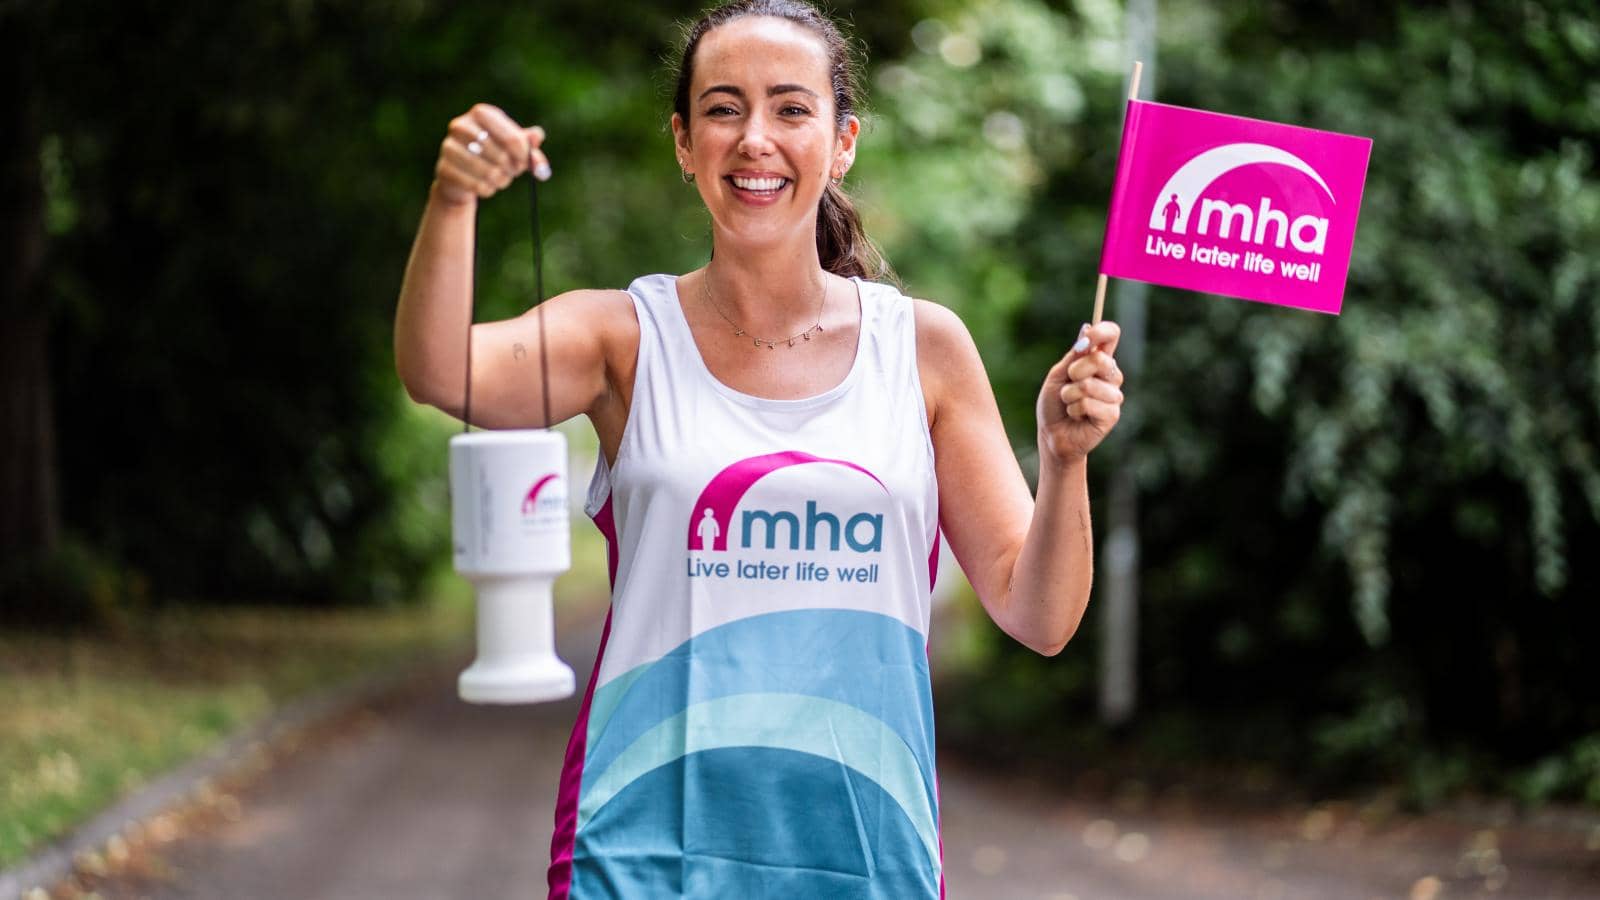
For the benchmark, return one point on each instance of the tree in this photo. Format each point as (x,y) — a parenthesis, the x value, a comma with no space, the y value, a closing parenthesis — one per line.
(29,517)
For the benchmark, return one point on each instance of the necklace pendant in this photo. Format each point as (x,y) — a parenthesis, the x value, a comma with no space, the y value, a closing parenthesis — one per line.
(807,335)
(820,328)
(738,332)
(756,341)
(769,345)
(791,342)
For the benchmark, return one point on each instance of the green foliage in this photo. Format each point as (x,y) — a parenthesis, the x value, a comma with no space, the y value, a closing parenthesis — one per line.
(231,191)
(1464,316)
(1370,521)
(1574,772)
(1443,432)
(974,132)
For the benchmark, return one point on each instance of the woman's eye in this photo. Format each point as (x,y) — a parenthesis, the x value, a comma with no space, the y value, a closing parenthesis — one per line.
(791,110)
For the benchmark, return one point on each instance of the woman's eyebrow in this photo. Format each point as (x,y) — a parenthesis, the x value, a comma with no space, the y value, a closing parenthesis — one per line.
(773,91)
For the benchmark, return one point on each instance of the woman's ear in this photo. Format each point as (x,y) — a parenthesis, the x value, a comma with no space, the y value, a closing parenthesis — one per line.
(845,157)
(680,139)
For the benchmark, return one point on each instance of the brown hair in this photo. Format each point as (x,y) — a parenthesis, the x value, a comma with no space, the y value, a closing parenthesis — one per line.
(842,244)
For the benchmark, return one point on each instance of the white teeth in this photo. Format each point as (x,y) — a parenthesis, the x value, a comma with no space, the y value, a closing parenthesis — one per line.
(760,184)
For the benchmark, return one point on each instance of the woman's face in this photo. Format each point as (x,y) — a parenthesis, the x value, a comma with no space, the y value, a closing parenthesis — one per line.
(761,139)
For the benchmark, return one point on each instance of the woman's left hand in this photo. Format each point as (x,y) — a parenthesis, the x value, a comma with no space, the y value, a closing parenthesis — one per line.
(1082,396)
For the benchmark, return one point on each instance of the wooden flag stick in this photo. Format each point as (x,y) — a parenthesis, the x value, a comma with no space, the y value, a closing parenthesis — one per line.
(1100,283)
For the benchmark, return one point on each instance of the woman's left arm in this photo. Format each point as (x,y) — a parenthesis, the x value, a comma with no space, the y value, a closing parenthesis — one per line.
(1029,559)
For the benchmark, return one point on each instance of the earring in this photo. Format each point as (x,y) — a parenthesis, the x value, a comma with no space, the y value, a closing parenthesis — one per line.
(837,180)
(688,177)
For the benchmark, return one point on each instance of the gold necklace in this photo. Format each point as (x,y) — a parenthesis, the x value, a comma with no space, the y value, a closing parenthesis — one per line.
(705,284)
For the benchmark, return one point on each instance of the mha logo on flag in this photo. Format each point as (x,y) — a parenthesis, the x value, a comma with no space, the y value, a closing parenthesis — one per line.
(1308,232)
(1235,206)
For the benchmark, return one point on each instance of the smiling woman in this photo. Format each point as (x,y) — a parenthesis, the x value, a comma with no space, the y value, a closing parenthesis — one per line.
(783,436)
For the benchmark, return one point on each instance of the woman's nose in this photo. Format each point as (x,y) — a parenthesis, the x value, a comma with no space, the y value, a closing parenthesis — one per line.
(754,142)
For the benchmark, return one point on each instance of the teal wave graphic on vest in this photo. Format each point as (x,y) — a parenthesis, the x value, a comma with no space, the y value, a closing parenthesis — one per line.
(753,822)
(841,747)
(874,662)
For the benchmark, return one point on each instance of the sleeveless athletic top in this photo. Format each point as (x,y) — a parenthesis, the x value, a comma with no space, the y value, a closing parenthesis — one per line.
(760,721)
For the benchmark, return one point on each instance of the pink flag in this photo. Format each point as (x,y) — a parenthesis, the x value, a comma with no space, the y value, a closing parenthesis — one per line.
(1235,206)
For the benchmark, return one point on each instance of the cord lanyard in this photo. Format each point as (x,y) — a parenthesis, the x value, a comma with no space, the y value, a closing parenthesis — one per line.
(538,299)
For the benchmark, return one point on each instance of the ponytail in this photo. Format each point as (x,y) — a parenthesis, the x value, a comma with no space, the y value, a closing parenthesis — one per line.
(842,244)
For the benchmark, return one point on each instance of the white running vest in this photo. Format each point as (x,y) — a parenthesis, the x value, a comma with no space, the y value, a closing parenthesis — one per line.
(760,722)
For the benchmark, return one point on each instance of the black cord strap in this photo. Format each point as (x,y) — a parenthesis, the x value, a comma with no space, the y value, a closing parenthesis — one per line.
(538,292)
(472,303)
(538,299)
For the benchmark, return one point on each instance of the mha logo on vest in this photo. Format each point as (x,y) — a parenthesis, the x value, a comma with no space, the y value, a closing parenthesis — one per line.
(863,532)
(713,528)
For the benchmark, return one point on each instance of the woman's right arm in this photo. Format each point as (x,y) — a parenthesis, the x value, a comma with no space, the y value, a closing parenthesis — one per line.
(430,335)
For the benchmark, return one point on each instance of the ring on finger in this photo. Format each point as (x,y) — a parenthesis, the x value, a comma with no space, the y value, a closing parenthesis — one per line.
(475,148)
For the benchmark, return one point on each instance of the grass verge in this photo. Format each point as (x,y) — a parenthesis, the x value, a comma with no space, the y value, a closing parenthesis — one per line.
(88,718)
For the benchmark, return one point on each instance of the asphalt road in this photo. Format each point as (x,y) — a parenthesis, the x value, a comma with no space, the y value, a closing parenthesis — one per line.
(418,795)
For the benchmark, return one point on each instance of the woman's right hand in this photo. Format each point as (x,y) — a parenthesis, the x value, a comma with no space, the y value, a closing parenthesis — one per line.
(483,151)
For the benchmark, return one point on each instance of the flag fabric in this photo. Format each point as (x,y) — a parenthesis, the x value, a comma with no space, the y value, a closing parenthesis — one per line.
(1235,206)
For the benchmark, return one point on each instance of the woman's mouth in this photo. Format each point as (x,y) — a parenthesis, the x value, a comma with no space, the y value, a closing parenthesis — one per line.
(757,189)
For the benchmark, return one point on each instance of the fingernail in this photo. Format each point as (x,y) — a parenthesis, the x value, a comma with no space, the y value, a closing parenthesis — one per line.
(1081,345)
(542,172)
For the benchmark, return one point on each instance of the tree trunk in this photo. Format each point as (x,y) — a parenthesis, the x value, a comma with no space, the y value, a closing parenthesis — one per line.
(29,514)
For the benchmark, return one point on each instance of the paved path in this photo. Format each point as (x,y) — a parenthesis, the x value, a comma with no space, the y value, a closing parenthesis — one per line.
(419,795)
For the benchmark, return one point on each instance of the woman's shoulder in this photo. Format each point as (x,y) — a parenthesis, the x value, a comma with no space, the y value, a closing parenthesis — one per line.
(933,319)
(939,329)
(599,308)
(947,356)
(603,314)
(611,300)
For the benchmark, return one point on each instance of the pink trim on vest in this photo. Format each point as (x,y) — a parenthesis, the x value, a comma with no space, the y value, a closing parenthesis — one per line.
(938,826)
(933,578)
(566,833)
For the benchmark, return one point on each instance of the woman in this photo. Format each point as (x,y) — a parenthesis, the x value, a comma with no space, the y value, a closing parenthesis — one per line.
(782,438)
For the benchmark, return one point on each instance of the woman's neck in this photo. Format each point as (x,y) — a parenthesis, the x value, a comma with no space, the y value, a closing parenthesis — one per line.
(767,291)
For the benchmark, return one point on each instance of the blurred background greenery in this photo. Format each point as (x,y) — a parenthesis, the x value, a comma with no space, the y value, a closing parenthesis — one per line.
(1361,538)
